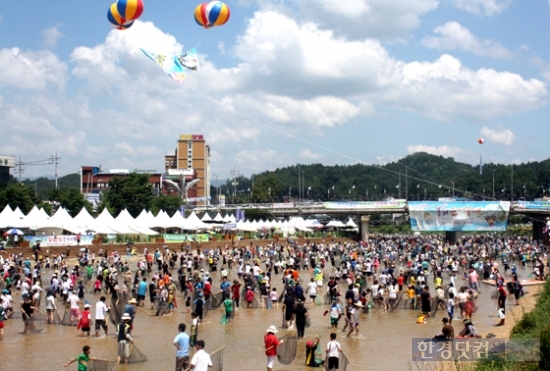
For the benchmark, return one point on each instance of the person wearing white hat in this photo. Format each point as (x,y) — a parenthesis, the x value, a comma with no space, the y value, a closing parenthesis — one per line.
(124,338)
(270,345)
(84,323)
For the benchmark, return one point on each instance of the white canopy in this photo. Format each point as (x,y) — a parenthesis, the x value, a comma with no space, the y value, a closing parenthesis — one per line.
(194,221)
(336,224)
(6,217)
(351,223)
(18,213)
(219,218)
(206,218)
(102,223)
(34,218)
(57,223)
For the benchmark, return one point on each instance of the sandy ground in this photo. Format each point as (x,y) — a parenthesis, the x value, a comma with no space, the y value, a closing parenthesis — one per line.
(514,313)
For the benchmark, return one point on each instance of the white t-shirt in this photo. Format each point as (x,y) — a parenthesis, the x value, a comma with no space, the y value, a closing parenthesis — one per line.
(201,360)
(50,302)
(333,348)
(73,299)
(100,310)
(312,289)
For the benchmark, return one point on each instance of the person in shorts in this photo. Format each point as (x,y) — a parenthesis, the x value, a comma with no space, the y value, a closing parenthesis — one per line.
(124,338)
(270,345)
(333,353)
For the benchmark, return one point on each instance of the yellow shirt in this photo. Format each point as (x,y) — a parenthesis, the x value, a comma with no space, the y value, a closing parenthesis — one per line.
(410,293)
(438,281)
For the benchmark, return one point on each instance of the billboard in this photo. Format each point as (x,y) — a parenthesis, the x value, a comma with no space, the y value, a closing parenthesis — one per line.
(459,216)
(191,137)
(532,205)
(351,205)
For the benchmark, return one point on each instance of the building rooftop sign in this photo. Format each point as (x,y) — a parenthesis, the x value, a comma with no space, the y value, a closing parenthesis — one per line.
(191,137)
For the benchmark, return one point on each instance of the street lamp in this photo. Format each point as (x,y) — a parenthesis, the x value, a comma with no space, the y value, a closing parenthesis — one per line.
(494,184)
(289,190)
(269,190)
(453,188)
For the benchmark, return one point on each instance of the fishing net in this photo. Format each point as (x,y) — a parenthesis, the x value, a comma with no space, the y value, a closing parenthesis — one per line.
(205,307)
(36,323)
(117,310)
(136,355)
(308,322)
(16,314)
(286,352)
(100,365)
(217,360)
(395,304)
(319,301)
(56,318)
(326,299)
(342,363)
(67,319)
(253,304)
(285,324)
(495,294)
(216,300)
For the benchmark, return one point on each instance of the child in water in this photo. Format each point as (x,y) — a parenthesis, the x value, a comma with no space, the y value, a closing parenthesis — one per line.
(421,319)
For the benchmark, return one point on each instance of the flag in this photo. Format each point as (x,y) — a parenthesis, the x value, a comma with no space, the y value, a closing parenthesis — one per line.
(175,66)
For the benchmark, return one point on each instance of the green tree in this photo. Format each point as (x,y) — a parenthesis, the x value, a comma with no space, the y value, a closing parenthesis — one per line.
(71,199)
(132,192)
(18,195)
(168,203)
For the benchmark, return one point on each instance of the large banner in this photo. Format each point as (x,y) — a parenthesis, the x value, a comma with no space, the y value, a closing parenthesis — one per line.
(70,240)
(393,204)
(203,237)
(459,216)
(533,205)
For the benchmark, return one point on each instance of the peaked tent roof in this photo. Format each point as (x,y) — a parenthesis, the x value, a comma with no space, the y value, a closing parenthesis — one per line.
(34,218)
(206,218)
(218,218)
(6,217)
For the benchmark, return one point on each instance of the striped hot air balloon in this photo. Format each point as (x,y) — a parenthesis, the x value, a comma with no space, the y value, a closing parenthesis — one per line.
(130,9)
(214,13)
(116,19)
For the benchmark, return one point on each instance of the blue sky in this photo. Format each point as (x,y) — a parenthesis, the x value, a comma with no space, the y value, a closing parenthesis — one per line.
(283,82)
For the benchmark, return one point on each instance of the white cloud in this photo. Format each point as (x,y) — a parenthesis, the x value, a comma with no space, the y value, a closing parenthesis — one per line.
(457,153)
(482,7)
(356,19)
(31,70)
(498,135)
(306,154)
(51,35)
(453,36)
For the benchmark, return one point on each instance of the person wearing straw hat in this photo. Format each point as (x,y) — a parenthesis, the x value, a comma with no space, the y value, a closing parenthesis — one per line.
(354,318)
(124,338)
(270,345)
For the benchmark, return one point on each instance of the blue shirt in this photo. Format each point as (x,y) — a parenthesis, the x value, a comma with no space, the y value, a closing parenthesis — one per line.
(182,339)
(225,285)
(142,288)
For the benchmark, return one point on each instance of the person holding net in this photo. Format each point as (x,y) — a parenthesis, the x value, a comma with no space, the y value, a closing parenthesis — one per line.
(124,338)
(101,313)
(333,353)
(201,360)
(270,344)
(82,359)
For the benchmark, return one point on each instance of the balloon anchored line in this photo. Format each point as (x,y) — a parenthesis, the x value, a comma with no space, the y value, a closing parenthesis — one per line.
(54,67)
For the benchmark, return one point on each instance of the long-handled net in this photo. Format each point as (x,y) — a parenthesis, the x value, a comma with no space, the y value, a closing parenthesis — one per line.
(57,318)
(286,352)
(117,310)
(205,308)
(216,300)
(394,304)
(36,322)
(217,359)
(136,355)
(100,365)
(67,319)
(342,363)
(16,314)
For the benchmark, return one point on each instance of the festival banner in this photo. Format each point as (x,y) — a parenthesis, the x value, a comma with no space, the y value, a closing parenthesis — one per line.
(459,216)
(202,237)
(283,205)
(532,205)
(350,205)
(62,240)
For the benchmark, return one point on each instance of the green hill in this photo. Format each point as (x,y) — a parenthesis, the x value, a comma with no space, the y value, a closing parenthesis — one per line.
(43,185)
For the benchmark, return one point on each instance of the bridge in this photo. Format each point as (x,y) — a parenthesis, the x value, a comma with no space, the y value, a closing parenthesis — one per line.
(536,210)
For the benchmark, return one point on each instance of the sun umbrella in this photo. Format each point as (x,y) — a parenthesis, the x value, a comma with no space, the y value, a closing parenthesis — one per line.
(12,232)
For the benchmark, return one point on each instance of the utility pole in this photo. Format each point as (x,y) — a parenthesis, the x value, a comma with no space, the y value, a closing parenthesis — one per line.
(406,183)
(55,161)
(20,169)
(299,183)
(234,172)
(399,183)
(512,188)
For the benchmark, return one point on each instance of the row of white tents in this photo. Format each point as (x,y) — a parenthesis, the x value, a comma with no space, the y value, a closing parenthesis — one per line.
(40,222)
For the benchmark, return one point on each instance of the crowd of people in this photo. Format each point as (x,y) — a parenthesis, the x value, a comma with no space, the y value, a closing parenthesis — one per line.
(385,273)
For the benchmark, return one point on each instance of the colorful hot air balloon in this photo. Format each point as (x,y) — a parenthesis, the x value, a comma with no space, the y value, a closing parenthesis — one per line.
(130,9)
(116,20)
(214,13)
(481,140)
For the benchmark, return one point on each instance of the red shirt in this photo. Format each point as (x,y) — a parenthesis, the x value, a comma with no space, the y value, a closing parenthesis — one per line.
(236,291)
(400,280)
(207,288)
(271,343)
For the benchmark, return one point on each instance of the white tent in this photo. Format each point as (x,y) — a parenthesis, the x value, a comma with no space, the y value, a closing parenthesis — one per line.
(232,219)
(219,218)
(6,217)
(351,223)
(57,223)
(102,223)
(336,224)
(34,218)
(178,221)
(194,221)
(83,219)
(122,223)
(226,219)
(18,213)
(206,218)
(143,219)
(245,227)
(162,220)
